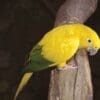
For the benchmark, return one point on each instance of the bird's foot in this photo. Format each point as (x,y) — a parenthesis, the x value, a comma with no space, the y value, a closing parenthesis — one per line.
(68,66)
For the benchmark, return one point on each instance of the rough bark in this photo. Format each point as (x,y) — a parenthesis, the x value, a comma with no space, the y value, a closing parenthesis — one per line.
(73,84)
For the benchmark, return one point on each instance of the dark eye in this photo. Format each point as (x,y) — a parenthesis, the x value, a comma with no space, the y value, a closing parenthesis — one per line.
(89,40)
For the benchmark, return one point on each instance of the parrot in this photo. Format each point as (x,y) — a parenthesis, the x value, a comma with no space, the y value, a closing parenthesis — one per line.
(57,47)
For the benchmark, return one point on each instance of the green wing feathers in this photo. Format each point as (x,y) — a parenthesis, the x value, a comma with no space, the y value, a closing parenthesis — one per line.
(36,61)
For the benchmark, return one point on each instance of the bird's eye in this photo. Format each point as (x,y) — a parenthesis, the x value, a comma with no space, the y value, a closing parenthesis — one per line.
(89,41)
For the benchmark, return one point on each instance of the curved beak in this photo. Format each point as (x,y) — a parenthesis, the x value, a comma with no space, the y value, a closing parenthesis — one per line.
(92,51)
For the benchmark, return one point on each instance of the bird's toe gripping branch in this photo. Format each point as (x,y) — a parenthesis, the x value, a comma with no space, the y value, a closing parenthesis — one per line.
(68,67)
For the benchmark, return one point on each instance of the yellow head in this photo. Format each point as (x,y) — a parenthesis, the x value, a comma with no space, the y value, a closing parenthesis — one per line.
(88,38)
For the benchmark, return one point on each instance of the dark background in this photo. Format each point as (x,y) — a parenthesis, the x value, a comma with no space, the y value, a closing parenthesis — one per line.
(22,24)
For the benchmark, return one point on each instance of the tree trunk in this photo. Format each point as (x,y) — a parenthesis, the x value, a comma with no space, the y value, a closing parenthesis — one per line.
(73,84)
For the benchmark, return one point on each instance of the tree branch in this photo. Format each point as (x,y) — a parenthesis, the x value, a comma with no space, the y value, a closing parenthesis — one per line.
(73,84)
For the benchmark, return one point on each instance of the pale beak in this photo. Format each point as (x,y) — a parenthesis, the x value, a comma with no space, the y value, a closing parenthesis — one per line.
(92,51)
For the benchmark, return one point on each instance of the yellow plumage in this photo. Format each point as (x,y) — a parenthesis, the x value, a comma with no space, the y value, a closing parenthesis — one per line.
(60,52)
(59,45)
(23,82)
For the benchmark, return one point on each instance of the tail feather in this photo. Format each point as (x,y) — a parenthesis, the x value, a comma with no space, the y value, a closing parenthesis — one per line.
(22,84)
